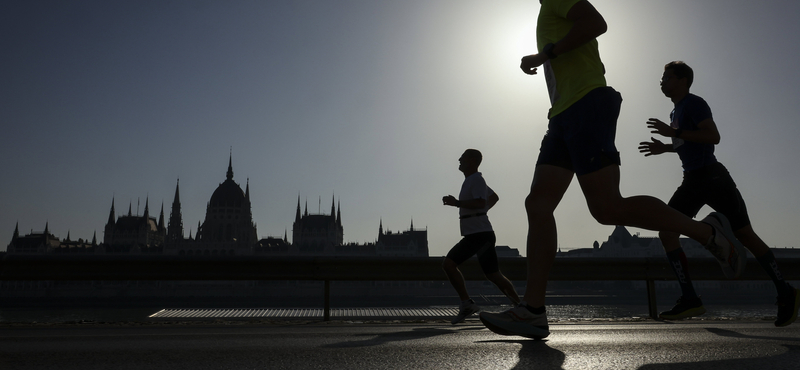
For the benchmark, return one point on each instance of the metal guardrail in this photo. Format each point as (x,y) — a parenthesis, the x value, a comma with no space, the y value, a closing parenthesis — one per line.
(327,269)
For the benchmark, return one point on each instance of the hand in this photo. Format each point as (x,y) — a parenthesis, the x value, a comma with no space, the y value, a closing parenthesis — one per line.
(660,128)
(655,147)
(530,62)
(450,200)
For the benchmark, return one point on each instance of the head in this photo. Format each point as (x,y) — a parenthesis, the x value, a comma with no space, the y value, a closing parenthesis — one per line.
(469,161)
(677,79)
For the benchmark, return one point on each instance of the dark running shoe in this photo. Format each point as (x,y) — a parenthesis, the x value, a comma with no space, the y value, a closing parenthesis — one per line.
(467,308)
(517,321)
(787,307)
(684,308)
(728,251)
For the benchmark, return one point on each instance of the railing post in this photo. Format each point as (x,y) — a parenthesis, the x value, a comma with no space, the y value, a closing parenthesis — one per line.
(652,304)
(326,311)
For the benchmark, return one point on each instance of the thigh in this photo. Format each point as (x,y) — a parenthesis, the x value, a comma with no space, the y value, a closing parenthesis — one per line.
(487,255)
(466,248)
(724,197)
(688,199)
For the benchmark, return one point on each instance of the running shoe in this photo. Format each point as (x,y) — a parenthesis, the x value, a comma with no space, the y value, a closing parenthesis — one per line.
(787,307)
(728,251)
(467,308)
(517,321)
(684,308)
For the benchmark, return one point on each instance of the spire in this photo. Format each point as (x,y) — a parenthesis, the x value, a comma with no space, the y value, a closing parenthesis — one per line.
(47,228)
(175,226)
(247,192)
(339,214)
(177,194)
(380,229)
(412,225)
(111,215)
(306,214)
(94,239)
(147,208)
(285,235)
(297,215)
(16,232)
(333,206)
(161,217)
(67,236)
(229,175)
(130,206)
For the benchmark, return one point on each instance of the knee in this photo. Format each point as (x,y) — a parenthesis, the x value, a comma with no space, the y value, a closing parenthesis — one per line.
(603,215)
(536,208)
(449,265)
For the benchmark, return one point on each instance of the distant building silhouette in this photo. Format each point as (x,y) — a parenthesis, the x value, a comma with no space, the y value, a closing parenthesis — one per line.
(134,234)
(411,243)
(228,229)
(317,233)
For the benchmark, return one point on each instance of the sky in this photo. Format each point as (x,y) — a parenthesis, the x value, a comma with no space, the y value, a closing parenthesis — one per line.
(368,103)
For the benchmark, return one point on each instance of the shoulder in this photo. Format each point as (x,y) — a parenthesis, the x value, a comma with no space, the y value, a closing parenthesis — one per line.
(559,7)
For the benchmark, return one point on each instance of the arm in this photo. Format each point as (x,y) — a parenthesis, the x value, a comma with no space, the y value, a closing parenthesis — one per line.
(450,200)
(587,25)
(492,200)
(654,147)
(706,132)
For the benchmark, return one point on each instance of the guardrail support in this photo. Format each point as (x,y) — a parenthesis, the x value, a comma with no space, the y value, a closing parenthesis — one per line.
(326,311)
(652,304)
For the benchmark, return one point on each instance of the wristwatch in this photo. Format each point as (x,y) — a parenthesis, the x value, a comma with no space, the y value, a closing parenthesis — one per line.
(548,49)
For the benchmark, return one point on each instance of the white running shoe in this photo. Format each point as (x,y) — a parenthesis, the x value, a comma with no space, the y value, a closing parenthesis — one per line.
(728,251)
(517,321)
(467,308)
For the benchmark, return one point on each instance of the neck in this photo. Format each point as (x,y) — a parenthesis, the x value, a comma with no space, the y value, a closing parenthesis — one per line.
(469,172)
(679,96)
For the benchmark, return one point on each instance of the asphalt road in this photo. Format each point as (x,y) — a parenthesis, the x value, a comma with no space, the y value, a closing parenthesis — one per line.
(647,345)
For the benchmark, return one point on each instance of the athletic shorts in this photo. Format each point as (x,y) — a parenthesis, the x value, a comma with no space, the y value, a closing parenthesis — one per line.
(481,244)
(711,185)
(581,138)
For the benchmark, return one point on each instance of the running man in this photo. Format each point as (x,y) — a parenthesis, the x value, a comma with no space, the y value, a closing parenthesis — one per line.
(580,141)
(705,182)
(474,200)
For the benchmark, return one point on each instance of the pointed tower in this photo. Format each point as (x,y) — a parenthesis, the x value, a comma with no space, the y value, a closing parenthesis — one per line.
(339,214)
(146,208)
(161,218)
(16,232)
(333,206)
(111,216)
(130,207)
(297,214)
(175,226)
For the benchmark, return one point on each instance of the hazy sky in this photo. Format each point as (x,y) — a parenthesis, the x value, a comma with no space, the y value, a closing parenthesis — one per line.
(368,101)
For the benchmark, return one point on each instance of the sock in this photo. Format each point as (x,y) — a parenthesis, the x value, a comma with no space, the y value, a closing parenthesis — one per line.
(535,310)
(680,265)
(767,261)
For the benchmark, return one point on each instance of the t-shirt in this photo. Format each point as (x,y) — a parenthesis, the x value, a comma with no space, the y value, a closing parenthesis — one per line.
(573,74)
(688,113)
(474,220)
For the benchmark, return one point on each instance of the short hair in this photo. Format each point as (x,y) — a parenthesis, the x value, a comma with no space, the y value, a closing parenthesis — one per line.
(681,70)
(474,154)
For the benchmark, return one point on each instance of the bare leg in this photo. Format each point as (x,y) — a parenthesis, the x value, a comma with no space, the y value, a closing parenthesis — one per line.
(549,185)
(504,285)
(456,278)
(601,189)
(751,241)
(670,240)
